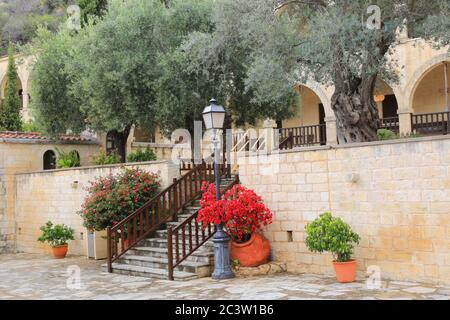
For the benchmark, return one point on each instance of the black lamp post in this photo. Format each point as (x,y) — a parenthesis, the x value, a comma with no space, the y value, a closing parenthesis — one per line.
(214,116)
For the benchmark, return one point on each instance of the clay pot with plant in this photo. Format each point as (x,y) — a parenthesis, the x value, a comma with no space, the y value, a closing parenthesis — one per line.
(243,215)
(57,236)
(331,234)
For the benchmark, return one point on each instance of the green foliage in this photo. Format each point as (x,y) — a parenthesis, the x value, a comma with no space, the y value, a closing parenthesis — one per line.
(92,8)
(10,117)
(19,19)
(142,155)
(112,198)
(29,126)
(69,159)
(53,106)
(102,158)
(386,134)
(331,234)
(56,235)
(146,63)
(241,61)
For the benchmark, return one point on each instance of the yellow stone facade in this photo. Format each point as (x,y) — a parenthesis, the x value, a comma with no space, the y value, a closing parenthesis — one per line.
(57,195)
(395,195)
(26,156)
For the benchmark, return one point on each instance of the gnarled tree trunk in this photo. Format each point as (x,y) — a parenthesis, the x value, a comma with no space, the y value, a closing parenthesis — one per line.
(356,112)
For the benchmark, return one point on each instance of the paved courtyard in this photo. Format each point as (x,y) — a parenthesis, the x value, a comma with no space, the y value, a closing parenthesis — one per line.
(33,276)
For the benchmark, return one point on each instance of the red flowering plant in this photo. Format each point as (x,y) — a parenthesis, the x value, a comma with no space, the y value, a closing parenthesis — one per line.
(241,210)
(112,198)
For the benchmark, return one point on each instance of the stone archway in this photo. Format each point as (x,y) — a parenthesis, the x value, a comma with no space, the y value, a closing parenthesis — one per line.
(420,74)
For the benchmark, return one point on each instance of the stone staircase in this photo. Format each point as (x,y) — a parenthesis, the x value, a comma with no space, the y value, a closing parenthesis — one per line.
(149,257)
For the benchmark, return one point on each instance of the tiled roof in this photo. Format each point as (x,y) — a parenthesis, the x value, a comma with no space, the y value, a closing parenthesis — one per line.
(39,136)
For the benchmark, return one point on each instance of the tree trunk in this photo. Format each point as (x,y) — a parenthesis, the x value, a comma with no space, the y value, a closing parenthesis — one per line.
(120,141)
(356,112)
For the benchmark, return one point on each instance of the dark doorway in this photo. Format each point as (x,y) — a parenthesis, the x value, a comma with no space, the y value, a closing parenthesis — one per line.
(111,143)
(390,106)
(279,124)
(49,160)
(323,127)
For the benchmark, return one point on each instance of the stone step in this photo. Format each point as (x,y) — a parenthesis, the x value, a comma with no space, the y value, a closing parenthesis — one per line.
(201,255)
(162,242)
(200,268)
(139,271)
(162,234)
(149,257)
(191,209)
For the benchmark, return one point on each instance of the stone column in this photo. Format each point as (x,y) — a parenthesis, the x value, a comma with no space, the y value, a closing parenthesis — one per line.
(130,141)
(271,134)
(404,118)
(331,131)
(25,102)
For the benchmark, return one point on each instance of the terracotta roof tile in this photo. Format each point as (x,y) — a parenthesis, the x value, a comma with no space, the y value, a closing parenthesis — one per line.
(39,136)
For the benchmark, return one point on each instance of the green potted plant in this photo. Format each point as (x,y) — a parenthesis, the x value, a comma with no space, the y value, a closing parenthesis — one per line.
(327,233)
(57,236)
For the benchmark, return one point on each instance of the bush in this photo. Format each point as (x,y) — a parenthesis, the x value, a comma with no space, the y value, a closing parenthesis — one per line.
(142,155)
(29,126)
(67,159)
(112,198)
(241,210)
(385,134)
(327,233)
(56,235)
(102,158)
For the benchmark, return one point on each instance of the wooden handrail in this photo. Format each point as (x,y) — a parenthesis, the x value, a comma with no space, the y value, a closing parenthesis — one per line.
(160,209)
(191,239)
(390,123)
(431,123)
(302,136)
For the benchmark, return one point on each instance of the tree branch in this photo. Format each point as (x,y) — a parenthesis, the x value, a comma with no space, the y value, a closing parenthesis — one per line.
(320,3)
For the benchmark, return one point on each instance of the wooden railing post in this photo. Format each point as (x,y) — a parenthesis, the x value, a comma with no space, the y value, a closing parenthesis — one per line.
(291,140)
(175,198)
(169,253)
(108,249)
(448,123)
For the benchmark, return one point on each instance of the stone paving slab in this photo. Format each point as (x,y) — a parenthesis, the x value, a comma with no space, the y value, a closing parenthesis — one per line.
(34,276)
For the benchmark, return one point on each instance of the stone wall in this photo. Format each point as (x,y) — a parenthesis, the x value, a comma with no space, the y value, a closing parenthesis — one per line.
(25,156)
(54,195)
(395,194)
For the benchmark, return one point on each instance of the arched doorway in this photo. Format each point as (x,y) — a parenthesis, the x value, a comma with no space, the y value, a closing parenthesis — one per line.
(49,160)
(431,101)
(307,127)
(387,106)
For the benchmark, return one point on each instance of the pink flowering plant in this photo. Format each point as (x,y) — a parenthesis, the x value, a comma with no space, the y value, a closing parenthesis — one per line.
(112,198)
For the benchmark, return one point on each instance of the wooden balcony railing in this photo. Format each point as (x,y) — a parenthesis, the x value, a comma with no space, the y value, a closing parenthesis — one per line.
(390,123)
(431,123)
(187,237)
(160,209)
(303,136)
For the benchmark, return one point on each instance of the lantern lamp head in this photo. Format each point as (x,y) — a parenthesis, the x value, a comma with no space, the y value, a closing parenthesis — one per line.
(213,115)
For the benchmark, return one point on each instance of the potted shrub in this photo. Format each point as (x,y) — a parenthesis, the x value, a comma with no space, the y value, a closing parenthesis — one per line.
(327,233)
(243,214)
(112,198)
(57,236)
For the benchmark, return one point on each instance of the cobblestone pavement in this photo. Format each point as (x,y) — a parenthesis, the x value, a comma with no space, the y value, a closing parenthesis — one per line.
(31,276)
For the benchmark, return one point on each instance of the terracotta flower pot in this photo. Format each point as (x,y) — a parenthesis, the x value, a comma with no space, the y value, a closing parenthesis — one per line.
(59,252)
(252,253)
(345,271)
